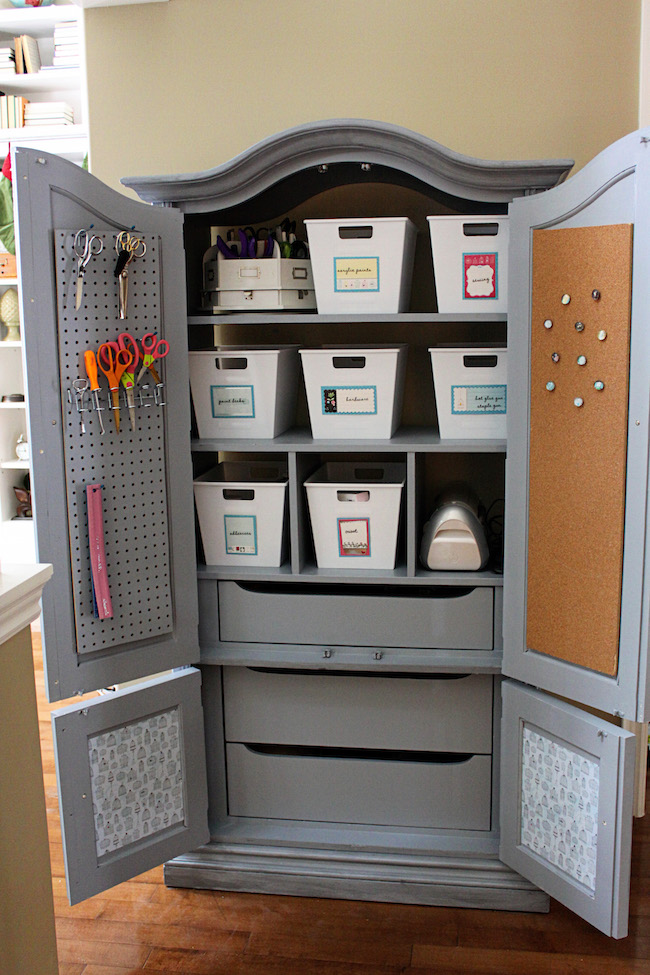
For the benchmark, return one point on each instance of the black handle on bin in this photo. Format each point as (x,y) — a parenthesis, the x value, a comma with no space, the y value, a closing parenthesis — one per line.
(229,362)
(480,361)
(480,229)
(349,361)
(355,233)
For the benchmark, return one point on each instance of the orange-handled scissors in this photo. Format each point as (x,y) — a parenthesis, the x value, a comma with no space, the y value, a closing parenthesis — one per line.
(152,348)
(127,343)
(113,361)
(91,370)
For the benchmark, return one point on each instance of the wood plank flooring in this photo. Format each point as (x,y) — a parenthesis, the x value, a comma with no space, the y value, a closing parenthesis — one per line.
(142,926)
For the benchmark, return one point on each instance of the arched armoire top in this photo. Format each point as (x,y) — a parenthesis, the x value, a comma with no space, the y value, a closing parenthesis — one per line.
(358,141)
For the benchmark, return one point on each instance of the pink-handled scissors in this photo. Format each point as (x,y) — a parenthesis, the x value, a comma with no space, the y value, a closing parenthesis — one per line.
(126,341)
(152,348)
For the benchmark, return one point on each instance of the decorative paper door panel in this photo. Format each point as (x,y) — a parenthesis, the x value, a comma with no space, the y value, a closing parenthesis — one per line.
(144,470)
(130,765)
(575,604)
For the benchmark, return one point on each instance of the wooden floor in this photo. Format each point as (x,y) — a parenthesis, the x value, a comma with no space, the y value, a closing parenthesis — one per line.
(142,926)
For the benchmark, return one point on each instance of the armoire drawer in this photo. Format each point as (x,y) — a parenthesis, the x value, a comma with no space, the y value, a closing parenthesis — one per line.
(357,711)
(442,792)
(357,615)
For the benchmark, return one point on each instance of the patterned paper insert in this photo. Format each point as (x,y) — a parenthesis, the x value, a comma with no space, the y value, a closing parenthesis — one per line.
(559,806)
(137,780)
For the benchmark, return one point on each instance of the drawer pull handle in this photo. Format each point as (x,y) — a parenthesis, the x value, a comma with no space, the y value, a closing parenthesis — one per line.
(381,590)
(360,754)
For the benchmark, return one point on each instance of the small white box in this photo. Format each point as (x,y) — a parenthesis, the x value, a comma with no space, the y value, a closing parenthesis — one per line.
(354,392)
(239,391)
(354,510)
(249,284)
(362,266)
(241,508)
(470,263)
(471,386)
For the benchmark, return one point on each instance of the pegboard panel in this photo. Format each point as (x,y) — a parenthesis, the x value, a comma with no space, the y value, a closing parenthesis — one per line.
(580,351)
(130,465)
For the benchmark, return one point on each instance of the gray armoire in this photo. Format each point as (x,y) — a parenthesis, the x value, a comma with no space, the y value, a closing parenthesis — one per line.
(347,733)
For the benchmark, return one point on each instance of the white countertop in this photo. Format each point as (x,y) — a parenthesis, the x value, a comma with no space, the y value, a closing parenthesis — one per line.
(20,594)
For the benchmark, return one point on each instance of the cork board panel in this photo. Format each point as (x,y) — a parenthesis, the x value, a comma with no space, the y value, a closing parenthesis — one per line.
(578,452)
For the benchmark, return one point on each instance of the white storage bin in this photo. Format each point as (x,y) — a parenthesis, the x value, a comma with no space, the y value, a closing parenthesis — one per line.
(238,391)
(354,510)
(354,392)
(256,284)
(470,263)
(471,386)
(362,266)
(241,508)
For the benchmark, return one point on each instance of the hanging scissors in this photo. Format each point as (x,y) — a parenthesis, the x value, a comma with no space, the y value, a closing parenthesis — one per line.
(127,343)
(128,246)
(85,246)
(152,348)
(113,361)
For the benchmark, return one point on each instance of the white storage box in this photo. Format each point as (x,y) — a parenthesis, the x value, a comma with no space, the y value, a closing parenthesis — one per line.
(362,266)
(470,263)
(471,392)
(354,392)
(241,508)
(238,391)
(260,284)
(354,510)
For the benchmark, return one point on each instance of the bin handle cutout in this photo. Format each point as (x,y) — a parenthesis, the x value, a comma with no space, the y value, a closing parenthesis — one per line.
(355,233)
(480,361)
(238,494)
(353,495)
(349,361)
(480,229)
(299,273)
(225,362)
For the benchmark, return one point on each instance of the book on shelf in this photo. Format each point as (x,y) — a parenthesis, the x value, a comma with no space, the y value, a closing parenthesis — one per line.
(12,111)
(27,55)
(49,113)
(31,54)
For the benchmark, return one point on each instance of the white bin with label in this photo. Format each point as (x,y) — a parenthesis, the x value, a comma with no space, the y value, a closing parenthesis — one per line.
(471,387)
(241,508)
(354,392)
(362,265)
(354,511)
(470,263)
(239,391)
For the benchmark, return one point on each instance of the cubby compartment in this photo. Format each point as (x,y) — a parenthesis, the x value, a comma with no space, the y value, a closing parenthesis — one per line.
(375,615)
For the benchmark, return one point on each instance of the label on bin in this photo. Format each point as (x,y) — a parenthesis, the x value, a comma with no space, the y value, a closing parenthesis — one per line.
(478,399)
(480,276)
(354,536)
(349,399)
(241,534)
(356,274)
(232,401)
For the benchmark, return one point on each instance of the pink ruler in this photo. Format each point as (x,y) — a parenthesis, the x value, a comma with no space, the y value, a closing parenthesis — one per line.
(101,593)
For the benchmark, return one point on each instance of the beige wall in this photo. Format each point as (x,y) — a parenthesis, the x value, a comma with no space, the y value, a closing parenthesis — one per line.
(185,85)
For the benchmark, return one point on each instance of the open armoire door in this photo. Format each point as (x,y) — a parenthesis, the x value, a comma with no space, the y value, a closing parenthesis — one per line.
(575,597)
(113,509)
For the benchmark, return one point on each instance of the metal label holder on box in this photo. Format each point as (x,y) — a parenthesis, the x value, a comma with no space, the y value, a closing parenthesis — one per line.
(249,284)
